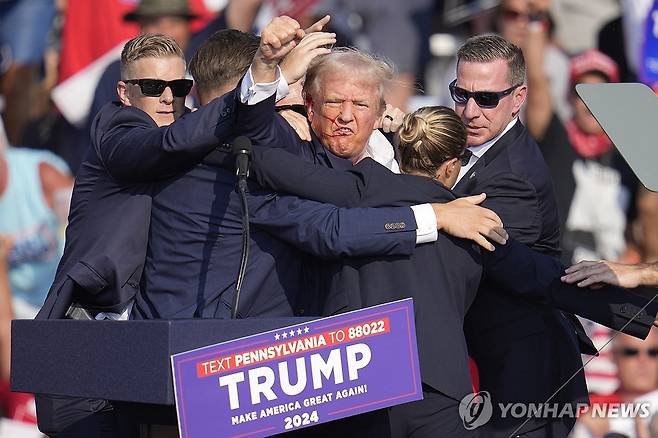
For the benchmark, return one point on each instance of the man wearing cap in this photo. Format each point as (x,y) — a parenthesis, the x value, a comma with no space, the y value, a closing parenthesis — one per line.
(594,185)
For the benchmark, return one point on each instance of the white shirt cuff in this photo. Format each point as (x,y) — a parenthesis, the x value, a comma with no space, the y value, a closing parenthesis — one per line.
(251,93)
(425,223)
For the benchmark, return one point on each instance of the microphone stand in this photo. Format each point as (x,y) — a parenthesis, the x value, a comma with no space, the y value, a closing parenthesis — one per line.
(241,149)
(242,191)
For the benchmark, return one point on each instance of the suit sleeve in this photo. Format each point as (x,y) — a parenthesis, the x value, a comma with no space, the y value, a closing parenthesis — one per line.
(284,172)
(515,200)
(533,275)
(264,127)
(619,309)
(330,232)
(133,148)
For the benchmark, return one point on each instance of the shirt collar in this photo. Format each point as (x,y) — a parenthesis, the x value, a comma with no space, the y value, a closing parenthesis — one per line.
(381,150)
(480,150)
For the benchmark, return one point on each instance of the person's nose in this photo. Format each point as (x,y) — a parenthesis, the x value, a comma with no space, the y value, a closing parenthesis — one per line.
(346,114)
(471,110)
(167,96)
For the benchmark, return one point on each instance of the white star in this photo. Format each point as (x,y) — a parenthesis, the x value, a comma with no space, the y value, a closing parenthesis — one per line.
(292,333)
(276,337)
(299,331)
(284,335)
(305,329)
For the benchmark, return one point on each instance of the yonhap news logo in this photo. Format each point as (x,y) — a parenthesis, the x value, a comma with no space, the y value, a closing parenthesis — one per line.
(476,409)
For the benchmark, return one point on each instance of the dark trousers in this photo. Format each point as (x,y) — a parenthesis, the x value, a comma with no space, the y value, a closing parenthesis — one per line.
(437,415)
(71,417)
(559,428)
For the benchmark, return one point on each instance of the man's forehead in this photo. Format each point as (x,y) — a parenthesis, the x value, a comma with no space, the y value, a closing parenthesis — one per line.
(353,88)
(168,67)
(482,76)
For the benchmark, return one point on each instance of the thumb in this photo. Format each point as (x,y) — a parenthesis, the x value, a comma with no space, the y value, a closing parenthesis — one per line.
(476,199)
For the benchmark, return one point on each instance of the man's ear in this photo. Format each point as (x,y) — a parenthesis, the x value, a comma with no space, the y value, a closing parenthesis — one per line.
(308,102)
(122,92)
(519,97)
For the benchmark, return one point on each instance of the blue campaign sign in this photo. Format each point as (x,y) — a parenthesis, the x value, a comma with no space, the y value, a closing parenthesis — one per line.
(649,61)
(300,375)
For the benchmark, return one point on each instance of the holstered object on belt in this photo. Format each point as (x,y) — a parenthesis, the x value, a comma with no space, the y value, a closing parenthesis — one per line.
(78,312)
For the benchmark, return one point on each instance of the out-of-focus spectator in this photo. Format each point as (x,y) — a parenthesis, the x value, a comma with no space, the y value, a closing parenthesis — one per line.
(647,225)
(35,191)
(637,365)
(594,185)
(6,314)
(634,26)
(24,26)
(621,38)
(19,407)
(396,30)
(577,22)
(514,19)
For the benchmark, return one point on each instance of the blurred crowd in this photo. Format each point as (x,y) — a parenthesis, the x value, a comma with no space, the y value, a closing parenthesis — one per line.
(59,65)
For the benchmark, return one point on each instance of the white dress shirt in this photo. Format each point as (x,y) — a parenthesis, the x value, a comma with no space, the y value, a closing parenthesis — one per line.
(480,150)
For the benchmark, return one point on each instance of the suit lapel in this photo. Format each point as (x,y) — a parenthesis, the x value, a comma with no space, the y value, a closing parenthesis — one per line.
(469,180)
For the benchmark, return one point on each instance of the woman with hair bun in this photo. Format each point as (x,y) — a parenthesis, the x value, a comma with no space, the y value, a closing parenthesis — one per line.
(433,144)
(442,277)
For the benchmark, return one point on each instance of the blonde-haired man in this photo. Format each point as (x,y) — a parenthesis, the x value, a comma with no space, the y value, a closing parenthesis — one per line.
(106,239)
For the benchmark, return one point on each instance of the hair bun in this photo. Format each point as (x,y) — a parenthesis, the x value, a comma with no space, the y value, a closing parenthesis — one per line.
(414,128)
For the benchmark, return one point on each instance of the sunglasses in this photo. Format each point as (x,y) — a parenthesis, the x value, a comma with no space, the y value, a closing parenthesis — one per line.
(633,352)
(484,99)
(155,87)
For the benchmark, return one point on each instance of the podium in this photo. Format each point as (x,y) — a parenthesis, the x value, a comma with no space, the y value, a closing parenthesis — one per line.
(127,362)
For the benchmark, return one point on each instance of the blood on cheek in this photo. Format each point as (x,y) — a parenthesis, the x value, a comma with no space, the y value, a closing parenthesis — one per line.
(332,121)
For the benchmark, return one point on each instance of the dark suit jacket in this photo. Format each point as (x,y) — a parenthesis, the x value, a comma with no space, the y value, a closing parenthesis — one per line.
(513,339)
(524,274)
(196,240)
(111,205)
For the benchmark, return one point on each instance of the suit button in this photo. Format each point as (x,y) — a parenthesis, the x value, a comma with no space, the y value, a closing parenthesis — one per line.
(395,226)
(301,311)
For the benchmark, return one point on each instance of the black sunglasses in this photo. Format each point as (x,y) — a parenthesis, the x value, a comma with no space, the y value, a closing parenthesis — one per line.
(484,99)
(155,87)
(632,352)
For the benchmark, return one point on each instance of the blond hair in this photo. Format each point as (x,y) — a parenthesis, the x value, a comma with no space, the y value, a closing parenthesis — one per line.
(148,46)
(428,137)
(349,62)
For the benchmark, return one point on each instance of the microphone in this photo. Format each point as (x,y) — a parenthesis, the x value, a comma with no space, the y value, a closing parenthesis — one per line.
(241,150)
